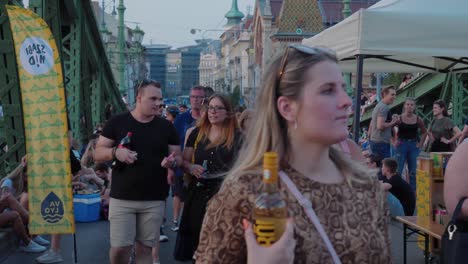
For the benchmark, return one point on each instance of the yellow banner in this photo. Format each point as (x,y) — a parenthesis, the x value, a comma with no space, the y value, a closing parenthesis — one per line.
(45,122)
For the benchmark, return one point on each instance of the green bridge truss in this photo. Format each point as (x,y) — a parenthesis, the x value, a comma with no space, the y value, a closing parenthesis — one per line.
(427,88)
(89,83)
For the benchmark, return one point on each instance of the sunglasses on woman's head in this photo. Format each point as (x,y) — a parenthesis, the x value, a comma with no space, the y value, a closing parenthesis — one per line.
(301,48)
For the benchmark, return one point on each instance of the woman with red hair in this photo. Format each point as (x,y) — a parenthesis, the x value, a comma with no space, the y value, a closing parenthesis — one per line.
(209,153)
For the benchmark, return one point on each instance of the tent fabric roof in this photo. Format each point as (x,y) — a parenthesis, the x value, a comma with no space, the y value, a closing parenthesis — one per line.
(414,31)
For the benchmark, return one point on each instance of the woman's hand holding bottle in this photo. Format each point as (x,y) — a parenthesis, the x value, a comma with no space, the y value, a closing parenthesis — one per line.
(197,170)
(281,252)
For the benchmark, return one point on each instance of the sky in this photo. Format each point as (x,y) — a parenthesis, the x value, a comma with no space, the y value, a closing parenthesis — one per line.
(170,21)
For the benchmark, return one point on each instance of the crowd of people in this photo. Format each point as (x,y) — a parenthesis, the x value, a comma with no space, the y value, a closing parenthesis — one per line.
(209,158)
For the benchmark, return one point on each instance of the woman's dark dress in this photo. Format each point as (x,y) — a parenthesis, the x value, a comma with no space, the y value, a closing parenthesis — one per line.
(220,160)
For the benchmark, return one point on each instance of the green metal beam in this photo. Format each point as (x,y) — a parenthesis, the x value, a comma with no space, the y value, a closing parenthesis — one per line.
(88,79)
(459,99)
(416,89)
(109,85)
(10,99)
(71,59)
(430,87)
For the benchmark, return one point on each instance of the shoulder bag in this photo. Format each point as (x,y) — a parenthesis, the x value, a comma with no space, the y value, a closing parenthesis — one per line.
(455,239)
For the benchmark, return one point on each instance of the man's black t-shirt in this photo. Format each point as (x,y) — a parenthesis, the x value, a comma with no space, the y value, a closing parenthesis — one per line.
(144,180)
(403,192)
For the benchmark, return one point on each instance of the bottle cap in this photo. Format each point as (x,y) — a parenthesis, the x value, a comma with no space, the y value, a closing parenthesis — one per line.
(129,134)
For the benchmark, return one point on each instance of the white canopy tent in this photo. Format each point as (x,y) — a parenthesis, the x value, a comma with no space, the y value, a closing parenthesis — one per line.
(399,36)
(402,36)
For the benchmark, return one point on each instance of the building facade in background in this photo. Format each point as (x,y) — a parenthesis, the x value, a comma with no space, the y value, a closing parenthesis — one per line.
(173,84)
(190,61)
(233,66)
(156,56)
(135,64)
(278,23)
(209,64)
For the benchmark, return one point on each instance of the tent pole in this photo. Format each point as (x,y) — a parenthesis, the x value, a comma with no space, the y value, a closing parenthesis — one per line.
(357,96)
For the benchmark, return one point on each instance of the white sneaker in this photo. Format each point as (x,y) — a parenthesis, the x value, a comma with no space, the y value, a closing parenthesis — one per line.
(41,241)
(176,226)
(50,257)
(33,247)
(163,238)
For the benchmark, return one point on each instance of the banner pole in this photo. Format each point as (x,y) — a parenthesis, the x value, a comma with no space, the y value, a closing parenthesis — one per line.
(74,248)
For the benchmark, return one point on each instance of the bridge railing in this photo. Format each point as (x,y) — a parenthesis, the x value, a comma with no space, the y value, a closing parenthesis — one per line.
(89,82)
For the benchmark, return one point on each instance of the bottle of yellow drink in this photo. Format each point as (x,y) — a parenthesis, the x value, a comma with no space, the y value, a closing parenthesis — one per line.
(269,212)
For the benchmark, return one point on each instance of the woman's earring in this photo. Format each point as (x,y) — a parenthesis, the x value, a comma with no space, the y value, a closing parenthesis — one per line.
(295,124)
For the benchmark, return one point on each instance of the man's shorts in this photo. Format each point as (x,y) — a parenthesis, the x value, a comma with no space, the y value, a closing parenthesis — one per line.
(135,221)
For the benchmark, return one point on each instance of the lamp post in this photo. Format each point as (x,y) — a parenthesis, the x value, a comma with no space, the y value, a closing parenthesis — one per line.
(347,76)
(121,43)
(346,8)
(135,52)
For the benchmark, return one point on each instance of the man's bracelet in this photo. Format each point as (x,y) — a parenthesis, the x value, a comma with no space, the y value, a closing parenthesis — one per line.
(114,150)
(174,164)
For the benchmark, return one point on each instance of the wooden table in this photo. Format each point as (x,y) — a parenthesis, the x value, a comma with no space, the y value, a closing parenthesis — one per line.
(423,226)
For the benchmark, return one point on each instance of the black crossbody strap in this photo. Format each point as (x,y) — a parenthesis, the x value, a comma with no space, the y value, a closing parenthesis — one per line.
(457,211)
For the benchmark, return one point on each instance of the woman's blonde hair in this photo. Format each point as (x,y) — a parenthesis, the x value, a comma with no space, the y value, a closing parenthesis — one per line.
(269,130)
(412,99)
(229,125)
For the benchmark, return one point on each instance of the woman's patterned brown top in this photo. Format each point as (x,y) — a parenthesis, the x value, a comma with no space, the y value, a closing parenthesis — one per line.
(355,217)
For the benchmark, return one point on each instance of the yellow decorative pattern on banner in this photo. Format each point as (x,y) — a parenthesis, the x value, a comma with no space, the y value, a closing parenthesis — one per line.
(45,121)
(423,208)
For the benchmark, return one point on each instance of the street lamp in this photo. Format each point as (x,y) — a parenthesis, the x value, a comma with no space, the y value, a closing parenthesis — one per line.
(138,35)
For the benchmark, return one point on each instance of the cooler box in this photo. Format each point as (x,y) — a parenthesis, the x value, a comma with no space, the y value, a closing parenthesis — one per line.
(86,207)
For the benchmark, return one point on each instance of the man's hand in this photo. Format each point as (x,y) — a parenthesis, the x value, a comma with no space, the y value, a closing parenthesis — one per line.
(4,197)
(168,161)
(445,141)
(431,136)
(170,177)
(384,186)
(24,161)
(125,155)
(395,120)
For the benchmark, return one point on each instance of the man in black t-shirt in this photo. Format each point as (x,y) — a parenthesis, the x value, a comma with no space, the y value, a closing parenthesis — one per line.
(139,181)
(400,188)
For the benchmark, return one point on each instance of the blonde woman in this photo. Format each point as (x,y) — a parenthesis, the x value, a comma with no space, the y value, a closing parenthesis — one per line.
(302,111)
(409,140)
